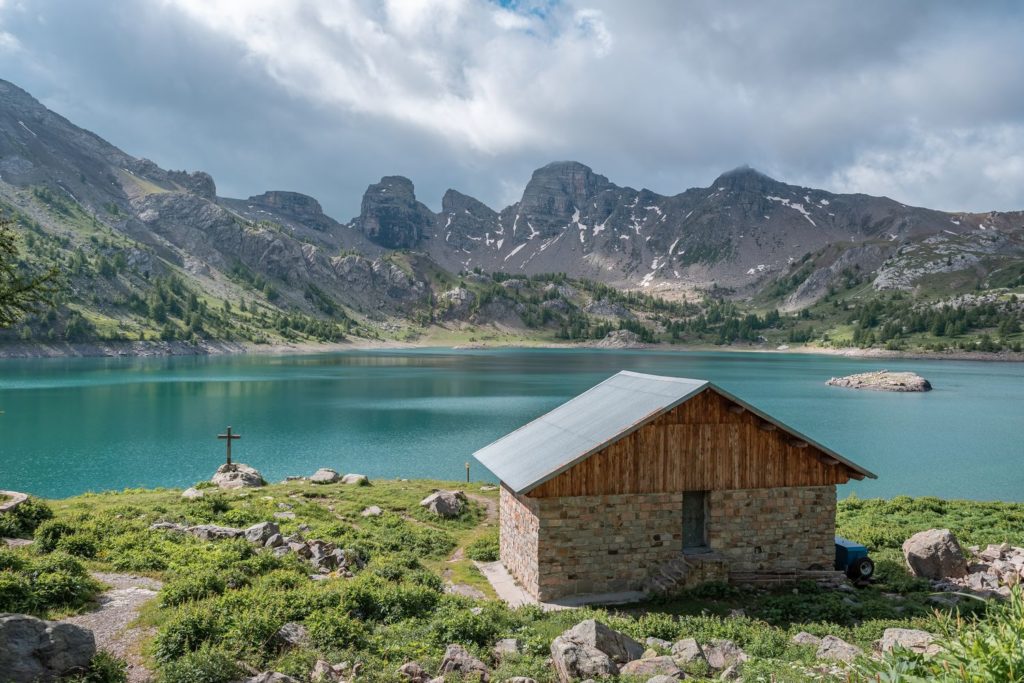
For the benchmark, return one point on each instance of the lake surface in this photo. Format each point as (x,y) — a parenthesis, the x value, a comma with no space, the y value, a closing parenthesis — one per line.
(74,425)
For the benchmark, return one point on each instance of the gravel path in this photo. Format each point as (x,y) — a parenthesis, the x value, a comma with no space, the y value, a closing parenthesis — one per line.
(111,621)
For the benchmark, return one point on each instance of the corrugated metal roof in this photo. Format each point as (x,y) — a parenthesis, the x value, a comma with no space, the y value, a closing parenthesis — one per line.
(584,425)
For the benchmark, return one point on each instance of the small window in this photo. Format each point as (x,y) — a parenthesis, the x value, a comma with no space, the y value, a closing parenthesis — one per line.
(695,535)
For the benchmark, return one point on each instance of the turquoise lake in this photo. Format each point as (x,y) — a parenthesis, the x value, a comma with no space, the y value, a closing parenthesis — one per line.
(75,425)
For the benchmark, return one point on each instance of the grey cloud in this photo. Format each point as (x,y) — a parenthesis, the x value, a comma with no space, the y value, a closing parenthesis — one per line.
(923,101)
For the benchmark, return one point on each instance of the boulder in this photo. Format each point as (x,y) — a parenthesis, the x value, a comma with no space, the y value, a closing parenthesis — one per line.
(212,532)
(237,476)
(934,554)
(722,654)
(733,672)
(658,644)
(505,647)
(271,677)
(292,634)
(447,504)
(413,672)
(192,493)
(372,511)
(324,475)
(32,649)
(262,532)
(662,679)
(837,649)
(662,665)
(911,639)
(688,650)
(805,638)
(275,541)
(458,660)
(591,649)
(356,479)
(323,672)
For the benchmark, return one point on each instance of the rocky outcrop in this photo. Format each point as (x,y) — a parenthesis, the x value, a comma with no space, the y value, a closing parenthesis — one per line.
(934,554)
(883,380)
(261,533)
(687,651)
(36,651)
(456,303)
(991,572)
(447,504)
(355,480)
(391,216)
(591,650)
(237,475)
(620,339)
(303,208)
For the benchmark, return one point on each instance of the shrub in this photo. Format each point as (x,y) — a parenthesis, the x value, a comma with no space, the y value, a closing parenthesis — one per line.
(36,585)
(334,630)
(191,587)
(206,665)
(186,632)
(23,520)
(15,592)
(104,668)
(485,548)
(79,545)
(49,533)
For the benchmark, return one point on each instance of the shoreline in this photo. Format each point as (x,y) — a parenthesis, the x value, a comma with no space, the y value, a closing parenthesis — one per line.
(163,349)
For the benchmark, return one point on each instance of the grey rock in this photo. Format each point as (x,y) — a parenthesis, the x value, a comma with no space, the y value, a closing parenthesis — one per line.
(662,665)
(733,672)
(505,647)
(620,339)
(285,514)
(658,644)
(324,475)
(236,476)
(271,677)
(934,554)
(372,511)
(391,216)
(447,504)
(192,493)
(909,638)
(260,533)
(520,679)
(883,380)
(292,634)
(355,479)
(212,532)
(458,660)
(722,654)
(688,650)
(661,678)
(275,541)
(591,649)
(837,649)
(805,638)
(413,672)
(33,650)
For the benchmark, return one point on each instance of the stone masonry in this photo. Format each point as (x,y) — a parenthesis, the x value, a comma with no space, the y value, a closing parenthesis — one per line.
(556,547)
(519,528)
(774,530)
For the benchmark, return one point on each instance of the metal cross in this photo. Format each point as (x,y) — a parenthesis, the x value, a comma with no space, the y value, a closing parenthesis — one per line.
(230,437)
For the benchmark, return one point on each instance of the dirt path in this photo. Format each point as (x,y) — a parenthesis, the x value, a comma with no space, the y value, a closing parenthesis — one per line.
(111,622)
(490,505)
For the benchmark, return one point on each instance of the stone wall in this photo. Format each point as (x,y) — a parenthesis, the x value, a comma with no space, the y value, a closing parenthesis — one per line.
(519,528)
(602,544)
(775,530)
(556,547)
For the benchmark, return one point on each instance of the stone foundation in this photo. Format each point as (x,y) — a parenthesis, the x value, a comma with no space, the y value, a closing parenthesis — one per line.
(555,547)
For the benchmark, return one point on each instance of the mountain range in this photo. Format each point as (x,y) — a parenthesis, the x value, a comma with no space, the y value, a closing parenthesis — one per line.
(746,237)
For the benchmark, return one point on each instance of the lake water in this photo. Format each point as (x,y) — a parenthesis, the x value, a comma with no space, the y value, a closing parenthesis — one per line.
(74,425)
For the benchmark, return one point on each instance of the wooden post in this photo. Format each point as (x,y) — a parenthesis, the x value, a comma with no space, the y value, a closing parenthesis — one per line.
(467,471)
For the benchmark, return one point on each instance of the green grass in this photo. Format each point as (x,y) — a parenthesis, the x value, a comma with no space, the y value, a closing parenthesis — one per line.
(222,602)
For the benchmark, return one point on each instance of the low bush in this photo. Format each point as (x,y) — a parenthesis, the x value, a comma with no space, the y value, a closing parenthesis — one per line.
(22,521)
(485,548)
(37,585)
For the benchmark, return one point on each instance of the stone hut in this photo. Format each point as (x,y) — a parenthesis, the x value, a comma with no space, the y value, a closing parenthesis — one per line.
(650,483)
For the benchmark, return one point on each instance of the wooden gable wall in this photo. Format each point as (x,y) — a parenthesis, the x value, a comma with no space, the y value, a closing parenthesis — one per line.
(707,443)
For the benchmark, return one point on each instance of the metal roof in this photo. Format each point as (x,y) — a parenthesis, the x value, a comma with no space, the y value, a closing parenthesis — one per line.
(586,424)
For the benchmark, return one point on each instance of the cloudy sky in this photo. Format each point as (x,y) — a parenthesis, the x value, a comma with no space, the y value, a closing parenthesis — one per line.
(922,101)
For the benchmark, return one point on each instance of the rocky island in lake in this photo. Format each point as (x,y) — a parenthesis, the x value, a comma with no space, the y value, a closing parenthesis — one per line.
(883,380)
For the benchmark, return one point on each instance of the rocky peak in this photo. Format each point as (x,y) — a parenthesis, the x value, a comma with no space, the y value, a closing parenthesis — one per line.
(561,187)
(454,202)
(295,203)
(391,216)
(744,179)
(197,182)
